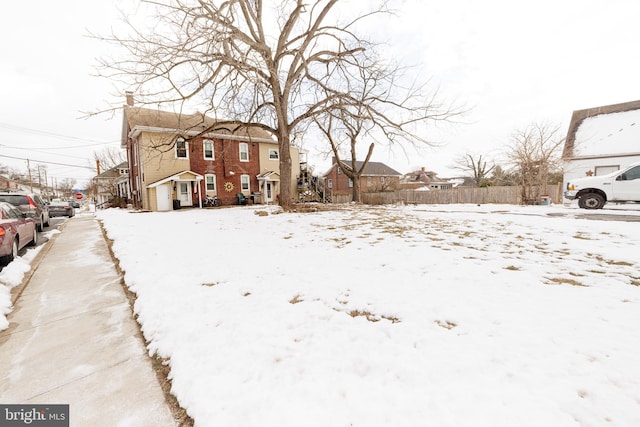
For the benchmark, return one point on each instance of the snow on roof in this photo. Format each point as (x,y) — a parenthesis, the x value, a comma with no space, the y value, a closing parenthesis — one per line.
(613,133)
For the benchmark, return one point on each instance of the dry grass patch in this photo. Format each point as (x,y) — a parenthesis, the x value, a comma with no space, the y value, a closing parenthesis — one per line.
(296,299)
(581,236)
(565,281)
(621,263)
(371,317)
(446,324)
(512,268)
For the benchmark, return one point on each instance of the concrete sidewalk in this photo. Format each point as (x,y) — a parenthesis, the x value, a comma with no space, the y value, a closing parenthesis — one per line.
(72,339)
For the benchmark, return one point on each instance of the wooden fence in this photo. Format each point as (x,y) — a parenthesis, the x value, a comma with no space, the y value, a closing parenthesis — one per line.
(499,195)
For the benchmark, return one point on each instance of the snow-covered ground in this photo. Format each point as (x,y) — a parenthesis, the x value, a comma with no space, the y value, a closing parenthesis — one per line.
(456,315)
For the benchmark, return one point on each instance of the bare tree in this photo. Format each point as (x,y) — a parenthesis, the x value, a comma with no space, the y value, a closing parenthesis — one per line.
(500,176)
(375,106)
(535,152)
(250,65)
(108,158)
(478,167)
(66,187)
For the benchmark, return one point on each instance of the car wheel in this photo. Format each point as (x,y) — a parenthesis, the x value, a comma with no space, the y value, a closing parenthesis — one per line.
(34,241)
(40,224)
(13,254)
(46,224)
(591,201)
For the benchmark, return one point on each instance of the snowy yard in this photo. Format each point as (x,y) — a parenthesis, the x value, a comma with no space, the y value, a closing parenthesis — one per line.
(390,316)
(457,315)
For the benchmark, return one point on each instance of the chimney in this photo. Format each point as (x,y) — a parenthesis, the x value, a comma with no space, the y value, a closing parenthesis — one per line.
(129,96)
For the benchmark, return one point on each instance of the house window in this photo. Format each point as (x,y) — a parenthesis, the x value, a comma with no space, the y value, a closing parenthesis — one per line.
(368,181)
(244,152)
(350,183)
(207,148)
(210,182)
(244,182)
(330,183)
(181,149)
(339,170)
(605,170)
(274,154)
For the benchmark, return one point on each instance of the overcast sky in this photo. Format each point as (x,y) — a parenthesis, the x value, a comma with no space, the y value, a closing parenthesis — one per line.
(514,62)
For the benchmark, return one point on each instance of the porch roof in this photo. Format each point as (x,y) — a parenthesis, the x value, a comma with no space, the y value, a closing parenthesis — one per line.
(180,176)
(269,176)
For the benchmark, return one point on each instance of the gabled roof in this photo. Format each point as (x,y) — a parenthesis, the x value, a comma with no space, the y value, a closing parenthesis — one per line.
(180,176)
(145,119)
(114,172)
(606,131)
(371,169)
(269,175)
(423,176)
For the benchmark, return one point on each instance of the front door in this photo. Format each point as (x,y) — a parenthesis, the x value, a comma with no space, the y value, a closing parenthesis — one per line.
(163,197)
(185,194)
(268,191)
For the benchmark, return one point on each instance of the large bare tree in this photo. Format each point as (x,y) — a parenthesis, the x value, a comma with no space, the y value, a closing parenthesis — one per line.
(276,65)
(477,165)
(535,153)
(376,107)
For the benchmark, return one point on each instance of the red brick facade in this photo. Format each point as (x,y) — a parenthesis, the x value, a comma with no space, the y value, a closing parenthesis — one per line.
(226,166)
(376,177)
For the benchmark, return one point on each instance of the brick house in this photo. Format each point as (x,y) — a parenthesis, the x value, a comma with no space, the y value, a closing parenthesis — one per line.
(174,161)
(376,177)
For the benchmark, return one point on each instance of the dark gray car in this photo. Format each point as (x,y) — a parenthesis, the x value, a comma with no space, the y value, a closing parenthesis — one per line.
(30,204)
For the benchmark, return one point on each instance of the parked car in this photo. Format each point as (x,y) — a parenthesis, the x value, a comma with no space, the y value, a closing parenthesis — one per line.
(17,230)
(594,191)
(30,204)
(74,203)
(61,208)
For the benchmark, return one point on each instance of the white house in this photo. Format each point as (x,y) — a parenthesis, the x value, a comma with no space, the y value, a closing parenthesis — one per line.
(602,140)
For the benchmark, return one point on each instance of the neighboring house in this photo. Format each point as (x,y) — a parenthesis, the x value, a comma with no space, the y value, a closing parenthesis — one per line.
(112,183)
(269,176)
(423,179)
(375,177)
(173,162)
(602,140)
(8,184)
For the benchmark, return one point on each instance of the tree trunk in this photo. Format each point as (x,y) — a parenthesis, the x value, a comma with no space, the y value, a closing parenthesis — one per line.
(355,191)
(285,170)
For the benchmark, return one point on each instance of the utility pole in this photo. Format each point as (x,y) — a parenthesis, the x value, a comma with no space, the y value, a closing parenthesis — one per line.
(30,180)
(40,180)
(46,184)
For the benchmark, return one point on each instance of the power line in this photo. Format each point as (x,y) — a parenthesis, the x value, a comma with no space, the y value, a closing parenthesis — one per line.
(39,150)
(46,162)
(44,132)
